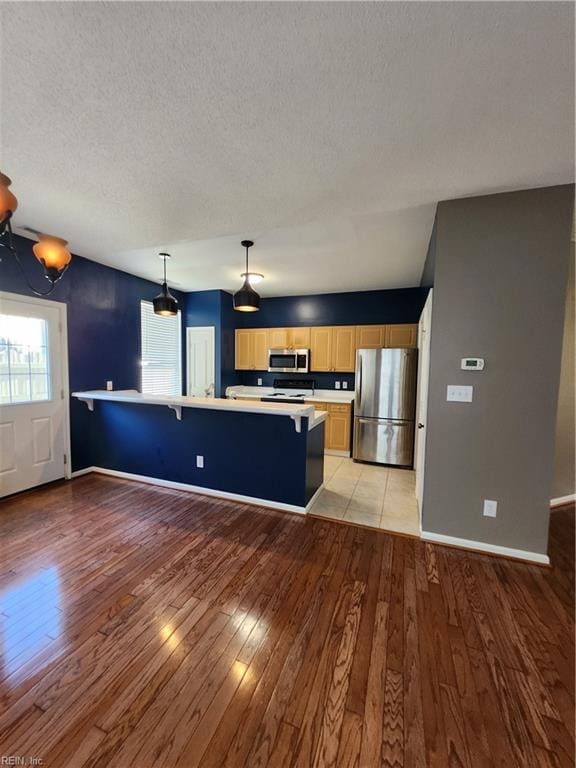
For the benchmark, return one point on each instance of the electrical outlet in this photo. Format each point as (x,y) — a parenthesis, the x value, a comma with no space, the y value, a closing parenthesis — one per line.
(490,508)
(459,394)
(344,385)
(337,384)
(109,386)
(200,462)
(259,382)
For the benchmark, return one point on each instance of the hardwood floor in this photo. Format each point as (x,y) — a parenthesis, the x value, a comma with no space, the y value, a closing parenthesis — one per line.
(152,628)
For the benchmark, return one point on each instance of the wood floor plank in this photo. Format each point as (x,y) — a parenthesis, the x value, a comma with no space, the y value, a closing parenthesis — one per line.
(144,627)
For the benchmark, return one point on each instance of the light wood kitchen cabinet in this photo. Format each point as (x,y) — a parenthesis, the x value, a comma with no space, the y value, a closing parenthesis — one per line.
(299,338)
(243,350)
(260,349)
(278,338)
(344,348)
(289,338)
(370,336)
(404,335)
(321,348)
(252,349)
(333,348)
(337,425)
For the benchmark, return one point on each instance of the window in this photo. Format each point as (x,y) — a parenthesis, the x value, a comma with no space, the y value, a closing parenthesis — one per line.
(24,365)
(161,347)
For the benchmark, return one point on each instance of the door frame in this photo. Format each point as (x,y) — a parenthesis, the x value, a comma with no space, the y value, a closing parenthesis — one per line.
(62,309)
(212,331)
(423,379)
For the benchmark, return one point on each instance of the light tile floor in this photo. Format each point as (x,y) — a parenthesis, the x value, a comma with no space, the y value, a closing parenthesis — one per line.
(365,494)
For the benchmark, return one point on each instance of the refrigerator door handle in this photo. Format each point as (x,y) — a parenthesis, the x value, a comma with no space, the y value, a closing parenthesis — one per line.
(358,383)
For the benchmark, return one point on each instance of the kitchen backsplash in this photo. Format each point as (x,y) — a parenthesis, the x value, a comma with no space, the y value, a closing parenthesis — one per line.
(322,380)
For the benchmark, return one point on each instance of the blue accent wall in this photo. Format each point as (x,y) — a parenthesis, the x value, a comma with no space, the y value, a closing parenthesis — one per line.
(244,453)
(402,305)
(321,380)
(214,308)
(103,306)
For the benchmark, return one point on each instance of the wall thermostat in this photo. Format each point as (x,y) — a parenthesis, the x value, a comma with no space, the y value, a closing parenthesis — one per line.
(472,364)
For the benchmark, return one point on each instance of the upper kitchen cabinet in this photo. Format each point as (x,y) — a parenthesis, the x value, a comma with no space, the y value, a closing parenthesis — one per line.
(289,338)
(370,336)
(299,338)
(278,338)
(244,347)
(252,349)
(321,348)
(404,335)
(333,348)
(343,348)
(261,342)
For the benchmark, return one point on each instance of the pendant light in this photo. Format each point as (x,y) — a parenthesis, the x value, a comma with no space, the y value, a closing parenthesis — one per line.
(246,299)
(165,304)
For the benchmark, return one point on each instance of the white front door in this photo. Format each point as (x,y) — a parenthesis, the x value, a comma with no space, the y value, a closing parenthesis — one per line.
(200,356)
(33,404)
(422,397)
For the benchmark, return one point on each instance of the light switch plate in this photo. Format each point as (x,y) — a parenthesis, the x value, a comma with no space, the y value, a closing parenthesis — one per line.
(337,384)
(109,386)
(490,508)
(344,385)
(259,382)
(456,393)
(200,462)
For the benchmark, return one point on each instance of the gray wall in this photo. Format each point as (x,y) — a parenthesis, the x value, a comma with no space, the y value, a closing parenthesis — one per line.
(499,288)
(563,484)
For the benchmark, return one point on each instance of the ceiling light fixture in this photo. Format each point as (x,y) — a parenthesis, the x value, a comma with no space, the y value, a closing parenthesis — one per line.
(165,304)
(50,251)
(246,299)
(253,277)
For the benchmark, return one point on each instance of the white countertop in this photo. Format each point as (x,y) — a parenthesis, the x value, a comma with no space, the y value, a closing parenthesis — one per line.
(239,392)
(295,411)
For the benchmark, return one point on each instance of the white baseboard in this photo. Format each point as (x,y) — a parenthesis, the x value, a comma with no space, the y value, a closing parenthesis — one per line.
(80,472)
(481,546)
(198,489)
(562,500)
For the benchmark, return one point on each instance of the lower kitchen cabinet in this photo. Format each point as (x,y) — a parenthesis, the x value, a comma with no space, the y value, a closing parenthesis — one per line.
(337,425)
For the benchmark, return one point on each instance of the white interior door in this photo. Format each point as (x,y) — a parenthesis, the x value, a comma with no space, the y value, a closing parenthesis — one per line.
(200,356)
(422,396)
(33,394)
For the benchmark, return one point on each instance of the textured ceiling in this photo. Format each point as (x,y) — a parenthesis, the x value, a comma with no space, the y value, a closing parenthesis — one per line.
(326,131)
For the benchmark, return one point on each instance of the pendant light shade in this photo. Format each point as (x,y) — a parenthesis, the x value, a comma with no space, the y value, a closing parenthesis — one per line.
(246,299)
(165,304)
(8,201)
(53,254)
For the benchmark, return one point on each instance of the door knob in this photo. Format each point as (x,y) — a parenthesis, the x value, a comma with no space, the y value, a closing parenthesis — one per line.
(420,426)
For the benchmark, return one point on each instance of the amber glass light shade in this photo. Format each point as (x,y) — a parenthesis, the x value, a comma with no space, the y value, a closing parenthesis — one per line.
(8,201)
(52,253)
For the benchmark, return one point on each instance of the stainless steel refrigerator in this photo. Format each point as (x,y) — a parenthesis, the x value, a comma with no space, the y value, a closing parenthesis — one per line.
(385,406)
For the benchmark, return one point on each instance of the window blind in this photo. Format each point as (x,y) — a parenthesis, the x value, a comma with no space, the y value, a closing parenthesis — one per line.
(161,349)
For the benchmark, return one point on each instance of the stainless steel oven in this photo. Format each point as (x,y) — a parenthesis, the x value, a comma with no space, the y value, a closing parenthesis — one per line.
(288,360)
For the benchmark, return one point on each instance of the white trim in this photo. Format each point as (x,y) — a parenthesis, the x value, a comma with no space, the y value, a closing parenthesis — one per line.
(80,472)
(482,546)
(196,489)
(63,320)
(562,500)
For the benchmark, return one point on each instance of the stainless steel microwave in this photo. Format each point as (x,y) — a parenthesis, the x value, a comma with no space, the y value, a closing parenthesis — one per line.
(289,360)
